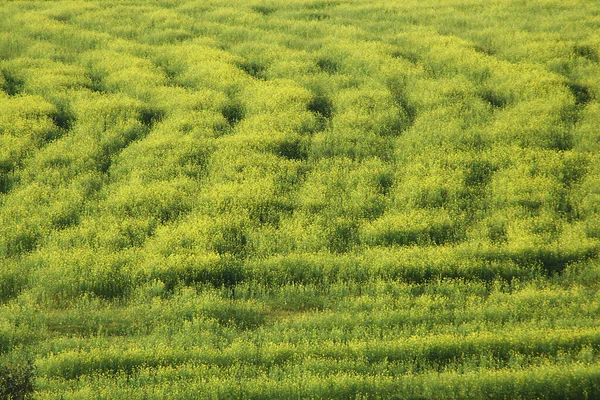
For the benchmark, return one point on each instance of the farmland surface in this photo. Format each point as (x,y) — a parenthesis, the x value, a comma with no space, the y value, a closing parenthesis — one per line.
(284,199)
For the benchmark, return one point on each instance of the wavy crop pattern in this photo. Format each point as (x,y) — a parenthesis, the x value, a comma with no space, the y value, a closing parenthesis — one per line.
(279,199)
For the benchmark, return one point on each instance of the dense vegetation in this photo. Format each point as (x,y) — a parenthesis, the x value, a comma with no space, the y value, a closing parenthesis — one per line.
(300,199)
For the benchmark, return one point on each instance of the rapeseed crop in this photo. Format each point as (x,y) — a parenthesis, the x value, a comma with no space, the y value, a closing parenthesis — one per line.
(299,199)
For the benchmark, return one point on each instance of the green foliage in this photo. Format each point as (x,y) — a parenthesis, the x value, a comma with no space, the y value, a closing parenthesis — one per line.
(14,277)
(420,228)
(16,381)
(299,199)
(106,275)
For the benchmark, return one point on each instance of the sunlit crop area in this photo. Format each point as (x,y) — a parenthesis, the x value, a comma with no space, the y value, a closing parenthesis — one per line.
(285,199)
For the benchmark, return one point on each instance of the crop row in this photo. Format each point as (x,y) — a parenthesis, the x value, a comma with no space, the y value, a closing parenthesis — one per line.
(571,380)
(436,351)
